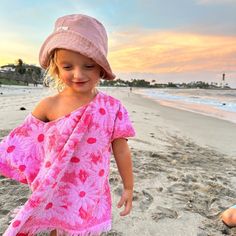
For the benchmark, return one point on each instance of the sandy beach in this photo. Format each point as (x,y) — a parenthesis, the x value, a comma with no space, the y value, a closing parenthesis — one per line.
(184,168)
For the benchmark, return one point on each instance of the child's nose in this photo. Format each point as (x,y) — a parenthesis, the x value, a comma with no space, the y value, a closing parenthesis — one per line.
(78,73)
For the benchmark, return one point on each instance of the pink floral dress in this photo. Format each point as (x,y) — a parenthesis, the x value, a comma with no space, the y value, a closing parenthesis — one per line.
(66,163)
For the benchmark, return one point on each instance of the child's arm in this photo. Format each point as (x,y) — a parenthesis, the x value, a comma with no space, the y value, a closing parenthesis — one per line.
(124,163)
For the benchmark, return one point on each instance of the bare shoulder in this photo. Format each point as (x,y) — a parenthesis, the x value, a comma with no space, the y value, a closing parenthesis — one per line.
(42,109)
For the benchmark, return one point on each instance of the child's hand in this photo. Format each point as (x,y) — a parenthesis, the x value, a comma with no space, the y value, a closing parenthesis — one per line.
(126,200)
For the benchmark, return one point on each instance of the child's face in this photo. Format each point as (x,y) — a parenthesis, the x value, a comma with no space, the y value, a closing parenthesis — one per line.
(78,72)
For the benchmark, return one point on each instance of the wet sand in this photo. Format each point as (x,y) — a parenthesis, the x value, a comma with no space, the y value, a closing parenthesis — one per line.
(184,168)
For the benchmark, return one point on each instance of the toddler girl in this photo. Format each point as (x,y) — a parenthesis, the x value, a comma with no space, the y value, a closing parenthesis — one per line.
(62,149)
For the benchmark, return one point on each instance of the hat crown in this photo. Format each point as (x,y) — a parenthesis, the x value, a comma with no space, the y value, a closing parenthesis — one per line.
(87,27)
(78,33)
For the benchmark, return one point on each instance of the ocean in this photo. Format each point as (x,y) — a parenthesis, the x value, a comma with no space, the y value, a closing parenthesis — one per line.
(216,103)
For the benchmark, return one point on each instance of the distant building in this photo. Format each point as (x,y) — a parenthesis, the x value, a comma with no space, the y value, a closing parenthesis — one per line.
(7,69)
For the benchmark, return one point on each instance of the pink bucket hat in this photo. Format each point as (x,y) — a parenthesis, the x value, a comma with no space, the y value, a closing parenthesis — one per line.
(79,33)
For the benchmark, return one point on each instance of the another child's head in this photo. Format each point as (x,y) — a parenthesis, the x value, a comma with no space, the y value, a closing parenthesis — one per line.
(76,37)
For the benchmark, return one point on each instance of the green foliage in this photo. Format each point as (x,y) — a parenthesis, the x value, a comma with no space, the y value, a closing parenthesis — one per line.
(171,85)
(7,81)
(146,84)
(22,74)
(122,83)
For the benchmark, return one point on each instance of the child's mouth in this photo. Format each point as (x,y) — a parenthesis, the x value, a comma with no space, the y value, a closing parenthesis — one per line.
(80,83)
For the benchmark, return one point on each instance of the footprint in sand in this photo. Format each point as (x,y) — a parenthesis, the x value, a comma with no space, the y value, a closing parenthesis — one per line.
(154,154)
(147,201)
(112,233)
(114,180)
(135,196)
(6,181)
(118,191)
(163,212)
(21,200)
(4,212)
(152,135)
(173,178)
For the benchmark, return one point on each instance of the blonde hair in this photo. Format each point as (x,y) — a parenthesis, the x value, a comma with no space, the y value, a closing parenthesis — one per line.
(51,78)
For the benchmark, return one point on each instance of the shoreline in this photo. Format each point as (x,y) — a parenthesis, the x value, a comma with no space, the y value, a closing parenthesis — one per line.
(220,106)
(191,125)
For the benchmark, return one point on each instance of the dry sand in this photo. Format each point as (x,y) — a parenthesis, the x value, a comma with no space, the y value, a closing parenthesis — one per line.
(184,168)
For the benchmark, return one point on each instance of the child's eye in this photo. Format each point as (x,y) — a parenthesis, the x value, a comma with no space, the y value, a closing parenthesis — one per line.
(66,67)
(89,66)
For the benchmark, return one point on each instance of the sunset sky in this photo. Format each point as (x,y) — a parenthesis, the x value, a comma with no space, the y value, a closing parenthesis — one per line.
(171,40)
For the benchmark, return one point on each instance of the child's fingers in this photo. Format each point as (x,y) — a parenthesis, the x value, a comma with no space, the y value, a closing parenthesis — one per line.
(121,202)
(128,207)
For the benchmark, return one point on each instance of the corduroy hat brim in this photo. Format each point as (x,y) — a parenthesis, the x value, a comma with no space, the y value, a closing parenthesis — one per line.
(73,41)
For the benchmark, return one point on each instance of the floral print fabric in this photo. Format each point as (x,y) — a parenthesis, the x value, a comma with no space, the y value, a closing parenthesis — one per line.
(66,163)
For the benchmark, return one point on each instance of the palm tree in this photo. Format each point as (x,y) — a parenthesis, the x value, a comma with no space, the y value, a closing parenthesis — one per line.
(20,67)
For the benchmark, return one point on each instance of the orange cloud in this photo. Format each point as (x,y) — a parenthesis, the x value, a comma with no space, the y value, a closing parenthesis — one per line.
(168,52)
(146,51)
